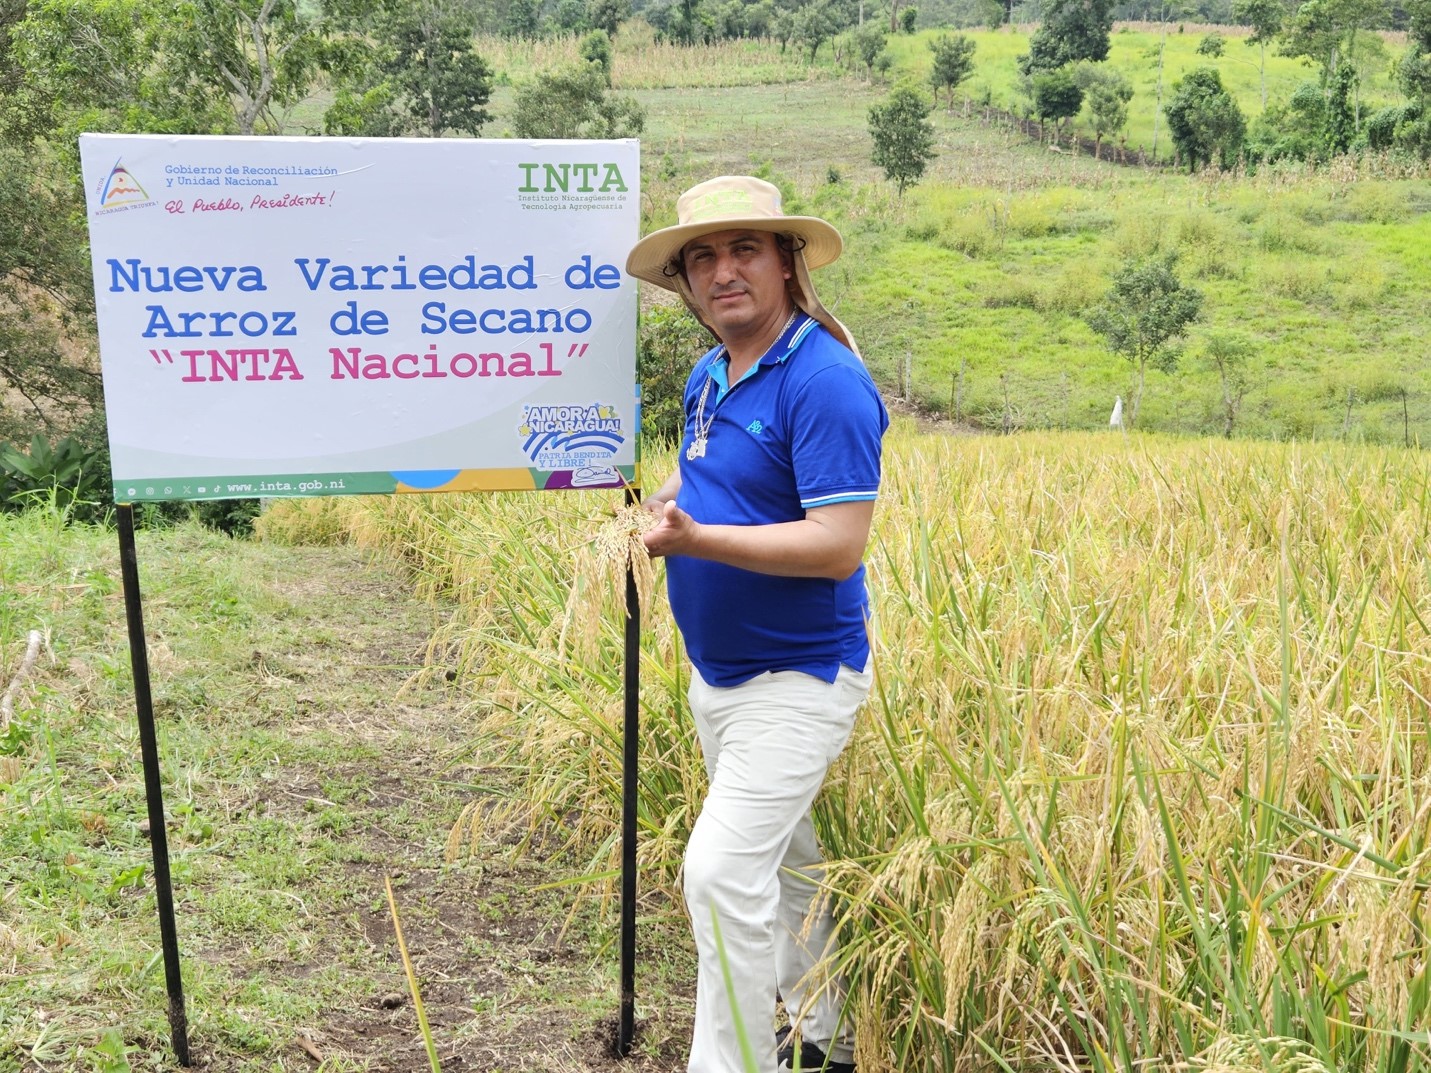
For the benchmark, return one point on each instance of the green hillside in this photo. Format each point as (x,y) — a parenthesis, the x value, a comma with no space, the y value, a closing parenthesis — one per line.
(1135,54)
(993,258)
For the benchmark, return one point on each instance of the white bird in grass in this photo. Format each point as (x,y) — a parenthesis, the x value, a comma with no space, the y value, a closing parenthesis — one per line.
(1116,421)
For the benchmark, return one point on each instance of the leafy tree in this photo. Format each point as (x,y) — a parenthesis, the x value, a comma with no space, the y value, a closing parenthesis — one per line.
(782,28)
(1341,120)
(161,66)
(1212,46)
(1381,127)
(1228,353)
(758,19)
(1265,17)
(367,108)
(903,136)
(445,83)
(68,66)
(523,18)
(1056,96)
(45,292)
(261,54)
(1143,315)
(953,62)
(688,22)
(185,66)
(993,13)
(12,72)
(668,337)
(116,66)
(1203,119)
(1107,94)
(1326,30)
(574,102)
(1072,30)
(870,46)
(815,23)
(1412,127)
(595,48)
(1294,131)
(730,20)
(608,15)
(907,19)
(569,17)
(894,16)
(1418,27)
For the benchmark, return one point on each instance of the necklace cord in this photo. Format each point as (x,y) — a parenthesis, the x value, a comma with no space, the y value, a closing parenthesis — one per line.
(703,424)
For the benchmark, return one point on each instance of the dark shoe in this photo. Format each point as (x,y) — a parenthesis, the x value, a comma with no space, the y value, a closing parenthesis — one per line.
(811,1060)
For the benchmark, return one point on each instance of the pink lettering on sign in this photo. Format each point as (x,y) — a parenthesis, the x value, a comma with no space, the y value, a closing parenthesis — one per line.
(292,201)
(234,363)
(353,363)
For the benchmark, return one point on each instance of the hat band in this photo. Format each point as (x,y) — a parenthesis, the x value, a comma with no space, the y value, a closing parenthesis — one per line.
(730,203)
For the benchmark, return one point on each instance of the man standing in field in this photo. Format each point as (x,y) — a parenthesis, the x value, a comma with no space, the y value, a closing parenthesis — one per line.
(764,525)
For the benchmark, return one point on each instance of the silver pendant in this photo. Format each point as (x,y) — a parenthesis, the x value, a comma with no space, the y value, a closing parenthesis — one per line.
(697,449)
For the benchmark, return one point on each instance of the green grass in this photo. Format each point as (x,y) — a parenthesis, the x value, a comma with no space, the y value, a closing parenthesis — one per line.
(1315,278)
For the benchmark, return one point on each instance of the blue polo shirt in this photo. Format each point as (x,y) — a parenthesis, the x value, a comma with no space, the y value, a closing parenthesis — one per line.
(801,429)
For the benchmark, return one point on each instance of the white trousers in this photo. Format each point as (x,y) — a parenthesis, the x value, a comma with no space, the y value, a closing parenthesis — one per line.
(753,862)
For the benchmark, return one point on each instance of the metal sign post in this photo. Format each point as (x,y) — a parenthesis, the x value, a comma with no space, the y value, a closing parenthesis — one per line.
(626,1027)
(153,789)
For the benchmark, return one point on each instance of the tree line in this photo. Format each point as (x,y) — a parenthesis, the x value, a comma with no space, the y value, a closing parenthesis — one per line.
(1065,69)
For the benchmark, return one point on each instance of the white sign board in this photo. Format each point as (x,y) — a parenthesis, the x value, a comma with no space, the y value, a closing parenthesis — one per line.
(324,316)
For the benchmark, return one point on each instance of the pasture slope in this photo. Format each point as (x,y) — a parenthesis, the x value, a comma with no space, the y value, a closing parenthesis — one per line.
(969,295)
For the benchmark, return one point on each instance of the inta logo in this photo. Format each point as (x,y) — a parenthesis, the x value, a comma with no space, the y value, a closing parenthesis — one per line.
(591,185)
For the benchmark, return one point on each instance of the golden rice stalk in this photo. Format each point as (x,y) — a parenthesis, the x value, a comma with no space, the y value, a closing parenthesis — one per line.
(963,943)
(618,543)
(1241,1053)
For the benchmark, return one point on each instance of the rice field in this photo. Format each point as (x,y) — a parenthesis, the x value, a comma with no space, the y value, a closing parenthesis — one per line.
(1144,777)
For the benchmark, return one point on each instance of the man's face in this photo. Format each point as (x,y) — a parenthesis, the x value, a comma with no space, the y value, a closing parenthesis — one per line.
(738,280)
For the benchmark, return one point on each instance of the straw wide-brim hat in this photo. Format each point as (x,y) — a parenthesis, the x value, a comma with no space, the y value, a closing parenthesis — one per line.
(729,203)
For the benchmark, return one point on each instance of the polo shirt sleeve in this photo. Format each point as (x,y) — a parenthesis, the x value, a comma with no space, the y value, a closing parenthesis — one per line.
(835,440)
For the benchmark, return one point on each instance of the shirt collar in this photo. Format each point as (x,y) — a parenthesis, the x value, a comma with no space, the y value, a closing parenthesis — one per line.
(785,344)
